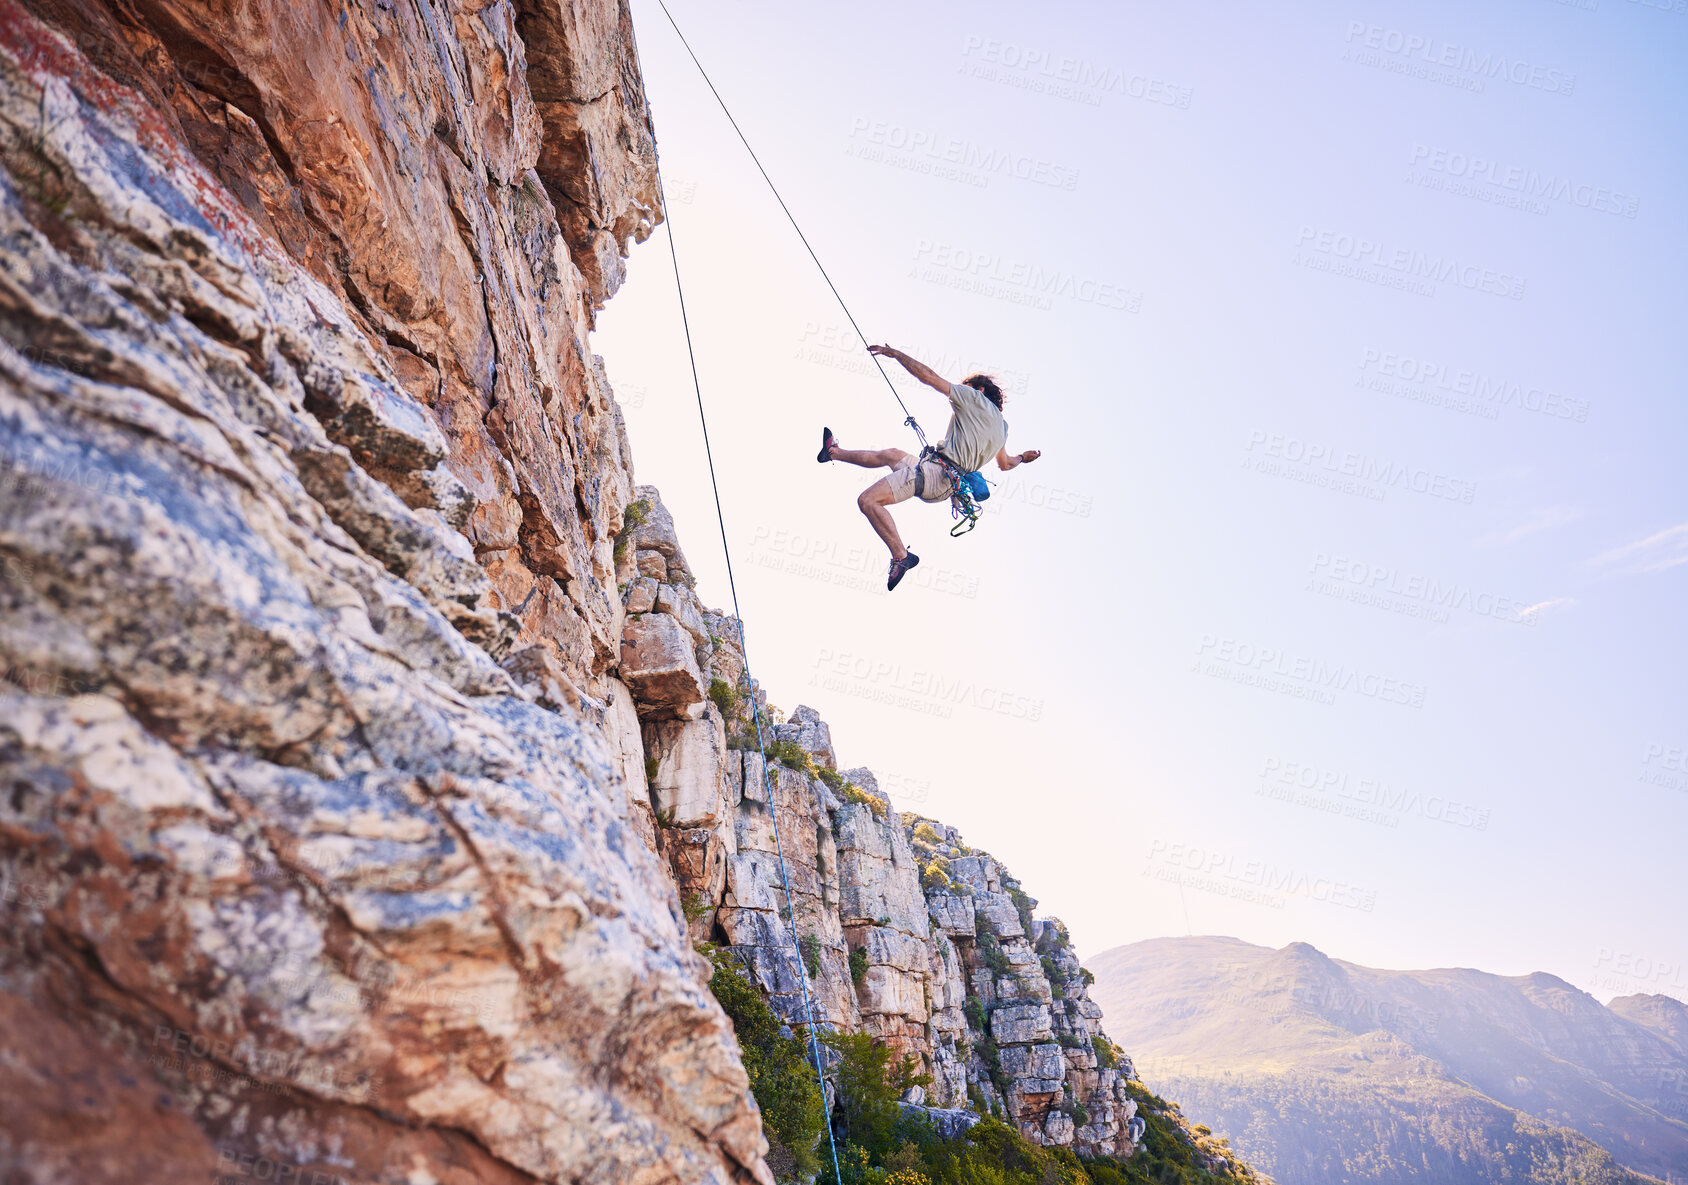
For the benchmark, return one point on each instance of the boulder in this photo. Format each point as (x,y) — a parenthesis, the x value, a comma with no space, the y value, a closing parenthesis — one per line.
(1058,1128)
(952,913)
(1034,1061)
(810,733)
(659,666)
(681,603)
(996,911)
(948,1123)
(1020,1024)
(688,788)
(641,595)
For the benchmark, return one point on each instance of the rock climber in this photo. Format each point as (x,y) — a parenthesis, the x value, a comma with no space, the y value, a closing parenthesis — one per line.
(977,432)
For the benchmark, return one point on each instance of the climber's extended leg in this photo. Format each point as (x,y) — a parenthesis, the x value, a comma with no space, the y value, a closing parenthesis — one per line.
(874,458)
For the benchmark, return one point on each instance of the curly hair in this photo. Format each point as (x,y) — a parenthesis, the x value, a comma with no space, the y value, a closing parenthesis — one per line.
(985,385)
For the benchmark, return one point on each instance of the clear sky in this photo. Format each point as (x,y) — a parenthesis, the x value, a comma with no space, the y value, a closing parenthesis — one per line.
(1345,604)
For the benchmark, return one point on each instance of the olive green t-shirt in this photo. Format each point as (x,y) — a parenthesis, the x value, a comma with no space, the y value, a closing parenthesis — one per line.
(976,431)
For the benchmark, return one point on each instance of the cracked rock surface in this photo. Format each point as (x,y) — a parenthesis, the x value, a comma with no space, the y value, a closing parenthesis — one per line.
(316,830)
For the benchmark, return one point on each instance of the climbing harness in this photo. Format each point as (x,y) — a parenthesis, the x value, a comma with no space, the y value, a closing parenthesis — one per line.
(967,490)
(755,708)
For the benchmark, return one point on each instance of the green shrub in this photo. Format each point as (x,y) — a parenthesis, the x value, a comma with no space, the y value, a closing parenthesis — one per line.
(726,699)
(631,519)
(858,966)
(1081,1117)
(994,957)
(992,1057)
(926,834)
(849,791)
(650,770)
(1087,976)
(974,1011)
(1107,1053)
(936,879)
(788,754)
(811,947)
(781,1076)
(870,1079)
(694,907)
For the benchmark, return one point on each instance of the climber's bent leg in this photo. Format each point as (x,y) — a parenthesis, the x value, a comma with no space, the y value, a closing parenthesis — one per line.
(876,502)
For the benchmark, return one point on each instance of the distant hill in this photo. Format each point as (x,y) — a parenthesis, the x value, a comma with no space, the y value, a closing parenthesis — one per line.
(1327,1073)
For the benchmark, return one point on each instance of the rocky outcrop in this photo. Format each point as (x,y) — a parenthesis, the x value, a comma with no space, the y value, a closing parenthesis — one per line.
(326,841)
(896,928)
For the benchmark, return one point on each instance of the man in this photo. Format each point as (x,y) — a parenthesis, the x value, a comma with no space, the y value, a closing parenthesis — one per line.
(977,432)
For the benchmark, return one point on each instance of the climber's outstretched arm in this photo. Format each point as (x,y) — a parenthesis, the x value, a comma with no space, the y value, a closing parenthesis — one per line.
(915,367)
(1006,460)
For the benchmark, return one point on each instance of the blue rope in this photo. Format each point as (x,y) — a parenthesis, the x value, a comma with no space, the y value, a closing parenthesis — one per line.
(755,709)
(908,416)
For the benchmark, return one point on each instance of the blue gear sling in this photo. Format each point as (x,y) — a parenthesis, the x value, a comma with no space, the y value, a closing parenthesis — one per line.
(968,489)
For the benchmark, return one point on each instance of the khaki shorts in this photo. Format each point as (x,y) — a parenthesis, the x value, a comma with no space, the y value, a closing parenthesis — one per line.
(914,478)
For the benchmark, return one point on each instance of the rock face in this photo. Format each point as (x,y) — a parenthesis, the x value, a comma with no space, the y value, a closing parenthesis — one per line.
(370,762)
(896,928)
(325,836)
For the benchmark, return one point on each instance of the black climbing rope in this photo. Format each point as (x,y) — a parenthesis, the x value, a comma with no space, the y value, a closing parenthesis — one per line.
(744,646)
(908,416)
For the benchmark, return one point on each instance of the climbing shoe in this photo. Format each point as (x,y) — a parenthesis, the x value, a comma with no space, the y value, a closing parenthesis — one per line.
(827,441)
(899,569)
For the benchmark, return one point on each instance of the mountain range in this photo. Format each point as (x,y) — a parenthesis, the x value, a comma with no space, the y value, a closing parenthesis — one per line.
(1324,1072)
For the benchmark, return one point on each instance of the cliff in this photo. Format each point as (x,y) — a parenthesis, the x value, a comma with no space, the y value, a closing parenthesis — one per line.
(909,935)
(370,763)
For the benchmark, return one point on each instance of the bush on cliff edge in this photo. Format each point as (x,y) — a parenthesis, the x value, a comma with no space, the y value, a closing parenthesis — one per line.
(781,1076)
